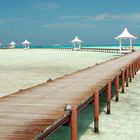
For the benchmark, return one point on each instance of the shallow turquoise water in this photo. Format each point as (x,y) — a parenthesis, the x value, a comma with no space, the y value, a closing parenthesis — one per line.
(70,46)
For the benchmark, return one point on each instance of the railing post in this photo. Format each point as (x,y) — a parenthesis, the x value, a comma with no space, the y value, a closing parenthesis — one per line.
(108,92)
(117,87)
(122,76)
(96,111)
(127,75)
(74,123)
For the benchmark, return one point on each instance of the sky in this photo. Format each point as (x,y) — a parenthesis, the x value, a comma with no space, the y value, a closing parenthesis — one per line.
(43,22)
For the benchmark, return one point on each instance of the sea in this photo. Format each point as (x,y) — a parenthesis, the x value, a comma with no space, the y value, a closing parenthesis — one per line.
(55,46)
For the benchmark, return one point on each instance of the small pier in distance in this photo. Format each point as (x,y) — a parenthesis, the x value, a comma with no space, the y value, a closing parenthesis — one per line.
(105,50)
(36,112)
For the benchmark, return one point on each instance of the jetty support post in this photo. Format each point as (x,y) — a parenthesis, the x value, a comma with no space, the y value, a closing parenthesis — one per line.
(74,123)
(117,87)
(108,95)
(122,76)
(135,66)
(130,73)
(127,75)
(133,70)
(138,63)
(96,111)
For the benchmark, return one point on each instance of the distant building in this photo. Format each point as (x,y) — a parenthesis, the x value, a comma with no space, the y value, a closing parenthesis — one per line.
(26,44)
(11,45)
(123,36)
(76,43)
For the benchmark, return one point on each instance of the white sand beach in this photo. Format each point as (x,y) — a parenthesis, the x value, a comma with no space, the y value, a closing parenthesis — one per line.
(21,68)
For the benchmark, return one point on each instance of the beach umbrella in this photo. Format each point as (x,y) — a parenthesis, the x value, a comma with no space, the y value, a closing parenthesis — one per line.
(76,43)
(26,44)
(125,35)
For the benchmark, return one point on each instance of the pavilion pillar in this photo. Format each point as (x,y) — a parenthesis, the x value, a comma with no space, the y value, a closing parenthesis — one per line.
(73,46)
(120,46)
(79,46)
(131,44)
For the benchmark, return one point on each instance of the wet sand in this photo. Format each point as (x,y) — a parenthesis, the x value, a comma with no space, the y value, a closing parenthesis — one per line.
(122,124)
(21,68)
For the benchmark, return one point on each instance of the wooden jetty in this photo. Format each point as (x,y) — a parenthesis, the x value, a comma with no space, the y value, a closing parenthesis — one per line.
(105,50)
(36,112)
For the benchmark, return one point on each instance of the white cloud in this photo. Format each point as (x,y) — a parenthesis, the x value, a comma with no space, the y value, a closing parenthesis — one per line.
(48,5)
(124,17)
(135,17)
(13,20)
(7,20)
(69,25)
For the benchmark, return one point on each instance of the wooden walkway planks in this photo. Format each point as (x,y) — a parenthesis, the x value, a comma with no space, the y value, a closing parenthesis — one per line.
(26,113)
